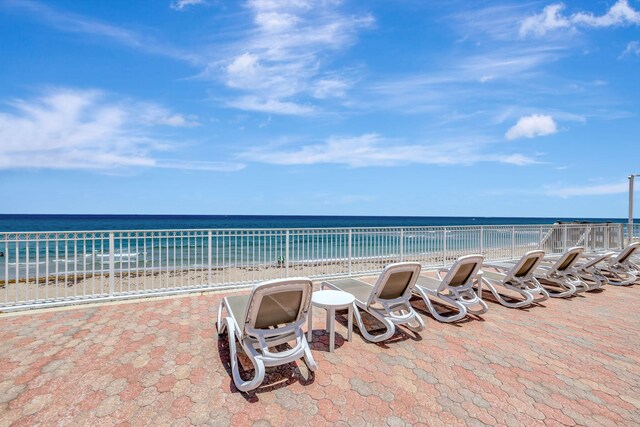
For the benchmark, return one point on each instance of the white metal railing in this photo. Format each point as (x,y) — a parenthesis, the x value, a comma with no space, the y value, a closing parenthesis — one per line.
(633,233)
(53,268)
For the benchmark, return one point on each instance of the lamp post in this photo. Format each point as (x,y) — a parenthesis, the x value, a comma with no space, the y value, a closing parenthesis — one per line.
(630,233)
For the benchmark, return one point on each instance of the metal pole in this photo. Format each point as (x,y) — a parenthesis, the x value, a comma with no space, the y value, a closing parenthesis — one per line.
(286,254)
(112,263)
(630,231)
(350,243)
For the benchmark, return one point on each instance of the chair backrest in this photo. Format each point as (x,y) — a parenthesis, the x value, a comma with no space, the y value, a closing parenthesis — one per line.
(626,253)
(524,268)
(462,273)
(396,283)
(278,303)
(567,260)
(595,261)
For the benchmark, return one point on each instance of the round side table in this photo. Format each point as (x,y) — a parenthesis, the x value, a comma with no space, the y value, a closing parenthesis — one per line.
(331,301)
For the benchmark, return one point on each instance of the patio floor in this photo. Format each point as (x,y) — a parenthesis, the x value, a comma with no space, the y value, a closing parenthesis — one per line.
(160,362)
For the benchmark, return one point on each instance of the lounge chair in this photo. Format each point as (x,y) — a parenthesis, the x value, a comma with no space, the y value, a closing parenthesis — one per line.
(455,288)
(593,271)
(272,314)
(616,270)
(387,300)
(519,278)
(624,262)
(558,273)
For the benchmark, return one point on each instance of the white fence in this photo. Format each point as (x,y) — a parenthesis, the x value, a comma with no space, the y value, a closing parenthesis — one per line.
(47,268)
(634,236)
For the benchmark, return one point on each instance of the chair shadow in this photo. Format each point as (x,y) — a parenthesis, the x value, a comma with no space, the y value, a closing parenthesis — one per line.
(275,378)
(371,323)
(443,309)
(489,297)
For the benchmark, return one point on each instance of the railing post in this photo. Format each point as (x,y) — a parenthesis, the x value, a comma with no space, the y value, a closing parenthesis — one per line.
(401,244)
(210,244)
(350,242)
(444,245)
(482,240)
(621,235)
(540,238)
(286,253)
(606,237)
(564,238)
(112,264)
(587,231)
(513,241)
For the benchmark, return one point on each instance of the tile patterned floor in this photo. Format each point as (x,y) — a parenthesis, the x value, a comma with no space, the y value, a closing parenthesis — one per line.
(160,362)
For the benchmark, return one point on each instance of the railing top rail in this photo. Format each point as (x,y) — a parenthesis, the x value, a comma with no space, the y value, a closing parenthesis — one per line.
(297,229)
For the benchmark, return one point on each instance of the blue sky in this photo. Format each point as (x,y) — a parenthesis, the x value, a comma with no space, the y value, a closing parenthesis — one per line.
(323,107)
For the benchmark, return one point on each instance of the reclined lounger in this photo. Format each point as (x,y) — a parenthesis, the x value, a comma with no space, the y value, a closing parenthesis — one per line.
(456,289)
(519,279)
(387,300)
(271,315)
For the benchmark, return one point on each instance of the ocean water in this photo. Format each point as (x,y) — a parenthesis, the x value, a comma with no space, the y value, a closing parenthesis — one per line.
(33,255)
(12,223)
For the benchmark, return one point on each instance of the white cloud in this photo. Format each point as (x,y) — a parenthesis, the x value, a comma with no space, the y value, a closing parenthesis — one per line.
(532,126)
(88,129)
(330,87)
(283,54)
(375,150)
(551,18)
(633,48)
(75,23)
(252,103)
(182,4)
(589,190)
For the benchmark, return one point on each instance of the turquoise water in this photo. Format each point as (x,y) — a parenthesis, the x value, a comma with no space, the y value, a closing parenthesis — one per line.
(34,254)
(10,223)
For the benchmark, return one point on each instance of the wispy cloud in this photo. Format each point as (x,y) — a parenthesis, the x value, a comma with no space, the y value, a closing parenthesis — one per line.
(75,23)
(632,49)
(375,150)
(88,129)
(589,190)
(551,18)
(280,58)
(254,103)
(182,4)
(532,126)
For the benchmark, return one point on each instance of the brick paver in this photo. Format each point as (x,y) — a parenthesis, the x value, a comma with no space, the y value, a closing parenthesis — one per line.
(160,362)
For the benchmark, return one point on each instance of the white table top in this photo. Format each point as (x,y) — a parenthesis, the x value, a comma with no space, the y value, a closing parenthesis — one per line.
(331,298)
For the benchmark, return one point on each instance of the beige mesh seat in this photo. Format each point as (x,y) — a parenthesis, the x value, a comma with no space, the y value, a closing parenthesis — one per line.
(519,279)
(455,288)
(625,265)
(560,274)
(616,270)
(592,271)
(272,314)
(387,300)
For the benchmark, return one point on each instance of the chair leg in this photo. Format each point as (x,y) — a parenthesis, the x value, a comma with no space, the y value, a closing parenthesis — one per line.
(462,310)
(235,366)
(220,325)
(420,325)
(619,278)
(308,358)
(538,289)
(569,290)
(391,329)
(483,308)
(528,298)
